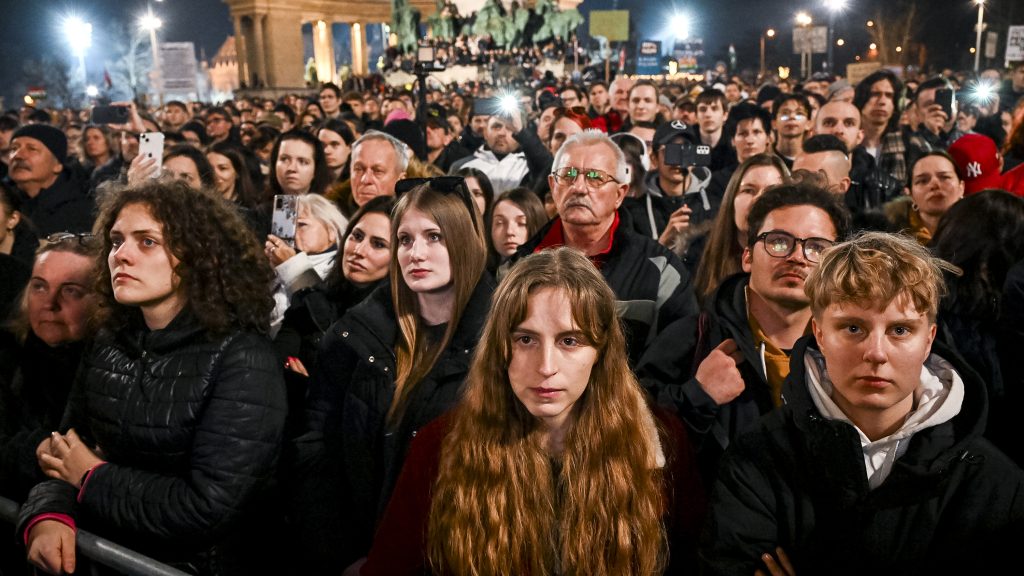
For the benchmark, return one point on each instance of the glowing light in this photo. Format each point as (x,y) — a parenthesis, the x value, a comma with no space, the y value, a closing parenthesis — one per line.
(872,46)
(972,50)
(835,5)
(840,42)
(79,34)
(783,72)
(871,23)
(899,49)
(983,92)
(29,100)
(803,19)
(92,91)
(770,33)
(508,103)
(150,22)
(680,24)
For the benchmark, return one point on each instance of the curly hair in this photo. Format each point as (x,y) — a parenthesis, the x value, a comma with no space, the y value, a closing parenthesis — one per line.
(226,279)
(499,506)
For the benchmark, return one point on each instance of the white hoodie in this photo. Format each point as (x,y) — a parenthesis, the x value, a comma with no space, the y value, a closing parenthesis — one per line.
(936,400)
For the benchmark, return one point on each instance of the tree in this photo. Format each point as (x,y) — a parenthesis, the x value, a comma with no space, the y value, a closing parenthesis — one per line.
(895,26)
(53,74)
(131,60)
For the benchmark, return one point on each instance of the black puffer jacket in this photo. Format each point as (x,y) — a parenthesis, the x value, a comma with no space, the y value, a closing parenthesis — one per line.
(349,458)
(191,426)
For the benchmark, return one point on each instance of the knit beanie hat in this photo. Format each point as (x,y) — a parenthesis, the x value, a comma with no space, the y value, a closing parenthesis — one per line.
(54,140)
(409,132)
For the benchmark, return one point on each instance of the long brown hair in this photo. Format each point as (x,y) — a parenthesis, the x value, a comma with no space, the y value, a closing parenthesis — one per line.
(462,233)
(721,257)
(499,506)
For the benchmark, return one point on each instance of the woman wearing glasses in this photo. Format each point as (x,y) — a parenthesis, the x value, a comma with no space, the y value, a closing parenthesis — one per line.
(170,440)
(389,366)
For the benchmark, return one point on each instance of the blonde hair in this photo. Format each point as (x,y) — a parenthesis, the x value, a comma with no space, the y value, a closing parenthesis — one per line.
(499,506)
(467,253)
(322,209)
(877,268)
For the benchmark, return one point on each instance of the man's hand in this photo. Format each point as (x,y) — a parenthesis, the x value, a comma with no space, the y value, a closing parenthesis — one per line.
(51,547)
(934,119)
(718,375)
(678,222)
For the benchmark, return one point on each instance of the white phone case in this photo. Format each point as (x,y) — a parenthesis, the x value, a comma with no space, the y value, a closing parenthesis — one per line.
(151,145)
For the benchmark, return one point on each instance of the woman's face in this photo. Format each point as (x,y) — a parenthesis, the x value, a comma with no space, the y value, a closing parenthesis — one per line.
(95,143)
(935,186)
(312,235)
(477,193)
(508,228)
(551,359)
(59,297)
(224,174)
(8,221)
(335,148)
(423,254)
(753,183)
(182,168)
(295,166)
(368,249)
(141,265)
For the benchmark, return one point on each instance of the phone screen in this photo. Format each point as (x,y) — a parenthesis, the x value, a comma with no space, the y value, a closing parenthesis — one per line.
(282,224)
(110,115)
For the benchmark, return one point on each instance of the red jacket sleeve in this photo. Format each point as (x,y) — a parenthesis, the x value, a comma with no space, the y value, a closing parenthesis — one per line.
(399,544)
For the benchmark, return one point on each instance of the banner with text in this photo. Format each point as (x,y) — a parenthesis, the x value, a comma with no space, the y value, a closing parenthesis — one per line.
(178,67)
(648,58)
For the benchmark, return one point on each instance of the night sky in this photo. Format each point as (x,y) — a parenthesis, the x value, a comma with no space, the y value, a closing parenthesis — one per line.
(28,29)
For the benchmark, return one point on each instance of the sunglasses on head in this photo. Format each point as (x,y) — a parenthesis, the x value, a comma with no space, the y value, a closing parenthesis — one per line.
(447,185)
(83,238)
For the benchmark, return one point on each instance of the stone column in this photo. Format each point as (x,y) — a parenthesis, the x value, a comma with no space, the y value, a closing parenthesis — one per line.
(261,55)
(323,51)
(242,53)
(360,52)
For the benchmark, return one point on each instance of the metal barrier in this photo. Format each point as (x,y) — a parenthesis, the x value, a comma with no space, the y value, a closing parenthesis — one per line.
(102,550)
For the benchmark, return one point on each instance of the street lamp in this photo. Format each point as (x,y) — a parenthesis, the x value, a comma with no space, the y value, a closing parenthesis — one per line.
(803,20)
(981,25)
(833,6)
(151,24)
(79,37)
(769,33)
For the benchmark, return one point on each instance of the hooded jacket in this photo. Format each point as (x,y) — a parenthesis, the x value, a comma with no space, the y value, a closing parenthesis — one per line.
(949,502)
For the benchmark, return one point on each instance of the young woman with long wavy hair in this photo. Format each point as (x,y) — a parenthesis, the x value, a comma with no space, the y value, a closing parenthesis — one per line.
(553,463)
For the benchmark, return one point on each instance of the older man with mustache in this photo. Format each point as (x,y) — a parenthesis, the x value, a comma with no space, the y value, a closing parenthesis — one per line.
(588,183)
(721,369)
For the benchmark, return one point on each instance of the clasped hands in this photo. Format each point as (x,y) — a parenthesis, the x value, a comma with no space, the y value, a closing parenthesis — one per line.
(66,457)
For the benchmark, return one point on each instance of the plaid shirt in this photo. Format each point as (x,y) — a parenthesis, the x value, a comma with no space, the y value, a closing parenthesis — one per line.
(893,155)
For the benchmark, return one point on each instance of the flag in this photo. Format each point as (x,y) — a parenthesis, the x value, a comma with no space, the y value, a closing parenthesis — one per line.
(106,79)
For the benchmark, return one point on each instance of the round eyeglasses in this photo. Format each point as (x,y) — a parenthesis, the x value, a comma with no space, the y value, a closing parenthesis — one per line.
(781,244)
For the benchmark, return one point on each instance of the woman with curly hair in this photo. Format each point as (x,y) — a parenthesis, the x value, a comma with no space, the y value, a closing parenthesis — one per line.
(391,364)
(553,463)
(173,427)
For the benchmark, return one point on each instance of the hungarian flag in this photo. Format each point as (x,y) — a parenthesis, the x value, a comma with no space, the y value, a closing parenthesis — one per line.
(107,80)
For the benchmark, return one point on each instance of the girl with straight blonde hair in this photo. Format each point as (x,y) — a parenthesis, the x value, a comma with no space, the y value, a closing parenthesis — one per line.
(553,463)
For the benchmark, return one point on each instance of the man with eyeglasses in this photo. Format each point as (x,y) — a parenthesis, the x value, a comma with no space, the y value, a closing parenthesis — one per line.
(588,185)
(218,125)
(721,369)
(791,121)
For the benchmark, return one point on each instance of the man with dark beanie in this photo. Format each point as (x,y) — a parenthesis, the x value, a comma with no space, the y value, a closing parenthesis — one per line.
(53,197)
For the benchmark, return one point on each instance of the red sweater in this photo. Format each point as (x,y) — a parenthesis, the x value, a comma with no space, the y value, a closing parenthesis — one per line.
(399,545)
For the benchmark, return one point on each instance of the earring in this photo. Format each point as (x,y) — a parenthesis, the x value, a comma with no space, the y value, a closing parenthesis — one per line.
(913,206)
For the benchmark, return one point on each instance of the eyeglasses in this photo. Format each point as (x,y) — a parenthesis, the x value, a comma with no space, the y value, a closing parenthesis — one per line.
(781,244)
(447,185)
(83,238)
(592,177)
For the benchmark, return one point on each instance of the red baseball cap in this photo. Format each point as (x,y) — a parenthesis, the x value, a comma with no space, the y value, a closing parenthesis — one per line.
(978,160)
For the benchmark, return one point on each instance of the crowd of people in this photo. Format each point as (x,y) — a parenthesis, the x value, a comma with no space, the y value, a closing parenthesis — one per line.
(641,327)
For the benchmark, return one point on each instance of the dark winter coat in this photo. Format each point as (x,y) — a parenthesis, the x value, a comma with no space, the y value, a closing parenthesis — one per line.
(66,206)
(35,380)
(668,371)
(348,459)
(952,504)
(191,425)
(651,285)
